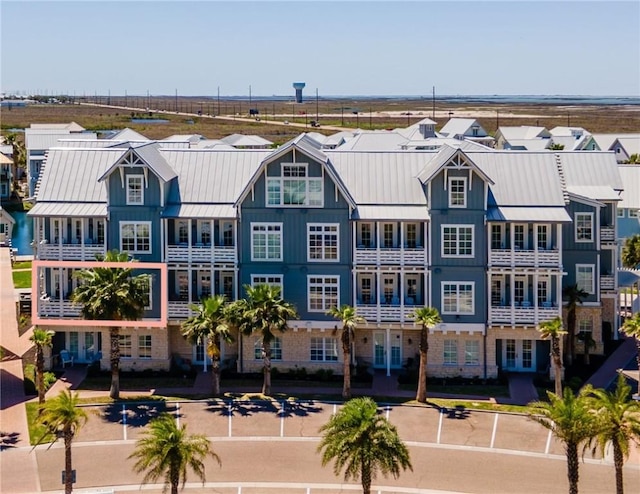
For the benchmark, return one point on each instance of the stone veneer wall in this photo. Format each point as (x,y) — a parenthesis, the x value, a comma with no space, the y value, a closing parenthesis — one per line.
(595,315)
(160,357)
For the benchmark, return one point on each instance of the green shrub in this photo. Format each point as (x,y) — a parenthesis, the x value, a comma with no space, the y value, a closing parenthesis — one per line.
(30,380)
(324,375)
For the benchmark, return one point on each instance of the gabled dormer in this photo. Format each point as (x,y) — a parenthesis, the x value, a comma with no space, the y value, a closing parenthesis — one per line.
(140,178)
(454,182)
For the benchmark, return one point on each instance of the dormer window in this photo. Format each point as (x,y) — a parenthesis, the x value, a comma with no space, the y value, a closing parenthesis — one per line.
(294,187)
(135,190)
(457,192)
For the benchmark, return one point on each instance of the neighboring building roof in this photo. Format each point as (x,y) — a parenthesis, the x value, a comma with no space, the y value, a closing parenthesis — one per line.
(43,141)
(71,126)
(589,169)
(528,144)
(604,141)
(318,137)
(246,141)
(561,131)
(6,216)
(631,145)
(71,175)
(462,126)
(337,139)
(435,143)
(374,141)
(190,138)
(630,175)
(5,160)
(570,143)
(522,132)
(127,134)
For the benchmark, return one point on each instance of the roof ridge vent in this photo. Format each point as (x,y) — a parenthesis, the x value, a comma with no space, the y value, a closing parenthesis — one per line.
(563,180)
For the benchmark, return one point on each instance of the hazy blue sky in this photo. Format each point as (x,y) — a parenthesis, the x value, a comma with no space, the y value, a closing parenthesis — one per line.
(341,48)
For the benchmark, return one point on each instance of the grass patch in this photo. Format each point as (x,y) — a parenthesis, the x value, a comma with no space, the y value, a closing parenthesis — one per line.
(478,405)
(36,430)
(22,279)
(487,390)
(21,265)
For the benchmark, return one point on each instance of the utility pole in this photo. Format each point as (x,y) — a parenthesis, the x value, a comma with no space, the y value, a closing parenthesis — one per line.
(218,100)
(176,100)
(250,98)
(433,99)
(317,107)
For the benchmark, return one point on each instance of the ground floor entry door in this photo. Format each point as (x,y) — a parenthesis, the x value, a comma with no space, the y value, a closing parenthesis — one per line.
(519,355)
(387,353)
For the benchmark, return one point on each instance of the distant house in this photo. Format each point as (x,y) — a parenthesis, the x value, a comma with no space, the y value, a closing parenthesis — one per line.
(6,227)
(625,147)
(6,177)
(629,207)
(518,138)
(466,128)
(240,141)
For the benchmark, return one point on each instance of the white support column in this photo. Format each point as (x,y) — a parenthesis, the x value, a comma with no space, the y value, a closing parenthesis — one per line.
(190,280)
(402,243)
(489,229)
(535,292)
(378,294)
(378,242)
(189,238)
(355,287)
(401,290)
(387,353)
(512,232)
(489,295)
(535,244)
(513,295)
(559,293)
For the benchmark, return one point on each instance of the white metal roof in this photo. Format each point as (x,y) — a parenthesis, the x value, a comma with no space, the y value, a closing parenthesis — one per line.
(392,213)
(240,140)
(4,214)
(597,192)
(526,214)
(631,145)
(150,154)
(71,126)
(528,144)
(523,132)
(43,141)
(596,168)
(128,135)
(462,126)
(200,211)
(440,160)
(630,175)
(75,209)
(374,141)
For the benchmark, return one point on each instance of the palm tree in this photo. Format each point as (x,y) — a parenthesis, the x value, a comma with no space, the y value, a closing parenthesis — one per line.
(350,319)
(552,330)
(208,323)
(428,318)
(112,294)
(363,442)
(619,424)
(574,296)
(61,416)
(263,312)
(631,252)
(570,419)
(41,338)
(166,450)
(631,327)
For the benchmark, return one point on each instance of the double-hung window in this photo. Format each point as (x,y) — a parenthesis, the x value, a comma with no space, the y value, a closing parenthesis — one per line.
(276,348)
(457,297)
(267,279)
(323,293)
(266,241)
(124,341)
(322,244)
(135,237)
(457,192)
(294,187)
(584,227)
(324,350)
(144,346)
(471,352)
(457,240)
(135,190)
(450,352)
(585,277)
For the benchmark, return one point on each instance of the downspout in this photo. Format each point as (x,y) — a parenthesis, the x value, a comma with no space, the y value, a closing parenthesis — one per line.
(484,354)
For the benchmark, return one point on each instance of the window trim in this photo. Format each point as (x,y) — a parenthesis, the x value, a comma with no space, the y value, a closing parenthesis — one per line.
(253,233)
(620,212)
(592,237)
(136,176)
(324,234)
(326,349)
(458,284)
(276,343)
(125,337)
(267,276)
(450,351)
(324,284)
(467,361)
(148,338)
(136,224)
(457,227)
(591,291)
(281,178)
(450,190)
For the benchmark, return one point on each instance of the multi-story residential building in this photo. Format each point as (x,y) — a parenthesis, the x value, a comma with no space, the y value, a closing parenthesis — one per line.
(6,177)
(489,238)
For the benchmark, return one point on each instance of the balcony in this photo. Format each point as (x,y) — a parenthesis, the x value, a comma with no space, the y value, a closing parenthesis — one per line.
(522,315)
(607,282)
(180,310)
(70,252)
(58,308)
(524,258)
(397,255)
(607,235)
(386,313)
(201,253)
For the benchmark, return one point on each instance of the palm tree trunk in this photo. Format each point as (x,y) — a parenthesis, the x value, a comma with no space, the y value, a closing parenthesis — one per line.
(557,364)
(366,477)
(571,335)
(638,360)
(266,383)
(174,478)
(40,373)
(572,467)
(215,371)
(346,351)
(114,335)
(421,395)
(68,469)
(618,463)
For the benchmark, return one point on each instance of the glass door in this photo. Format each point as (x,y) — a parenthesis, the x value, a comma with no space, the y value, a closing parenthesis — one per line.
(527,354)
(510,354)
(396,349)
(379,351)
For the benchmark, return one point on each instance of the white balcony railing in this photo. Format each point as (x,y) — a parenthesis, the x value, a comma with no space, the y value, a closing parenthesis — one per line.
(530,258)
(607,234)
(58,308)
(381,313)
(607,282)
(390,256)
(197,253)
(180,310)
(70,252)
(522,315)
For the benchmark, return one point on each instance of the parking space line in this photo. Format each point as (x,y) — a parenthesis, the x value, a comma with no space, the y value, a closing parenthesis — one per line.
(229,426)
(439,426)
(282,412)
(124,421)
(548,446)
(178,414)
(495,428)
